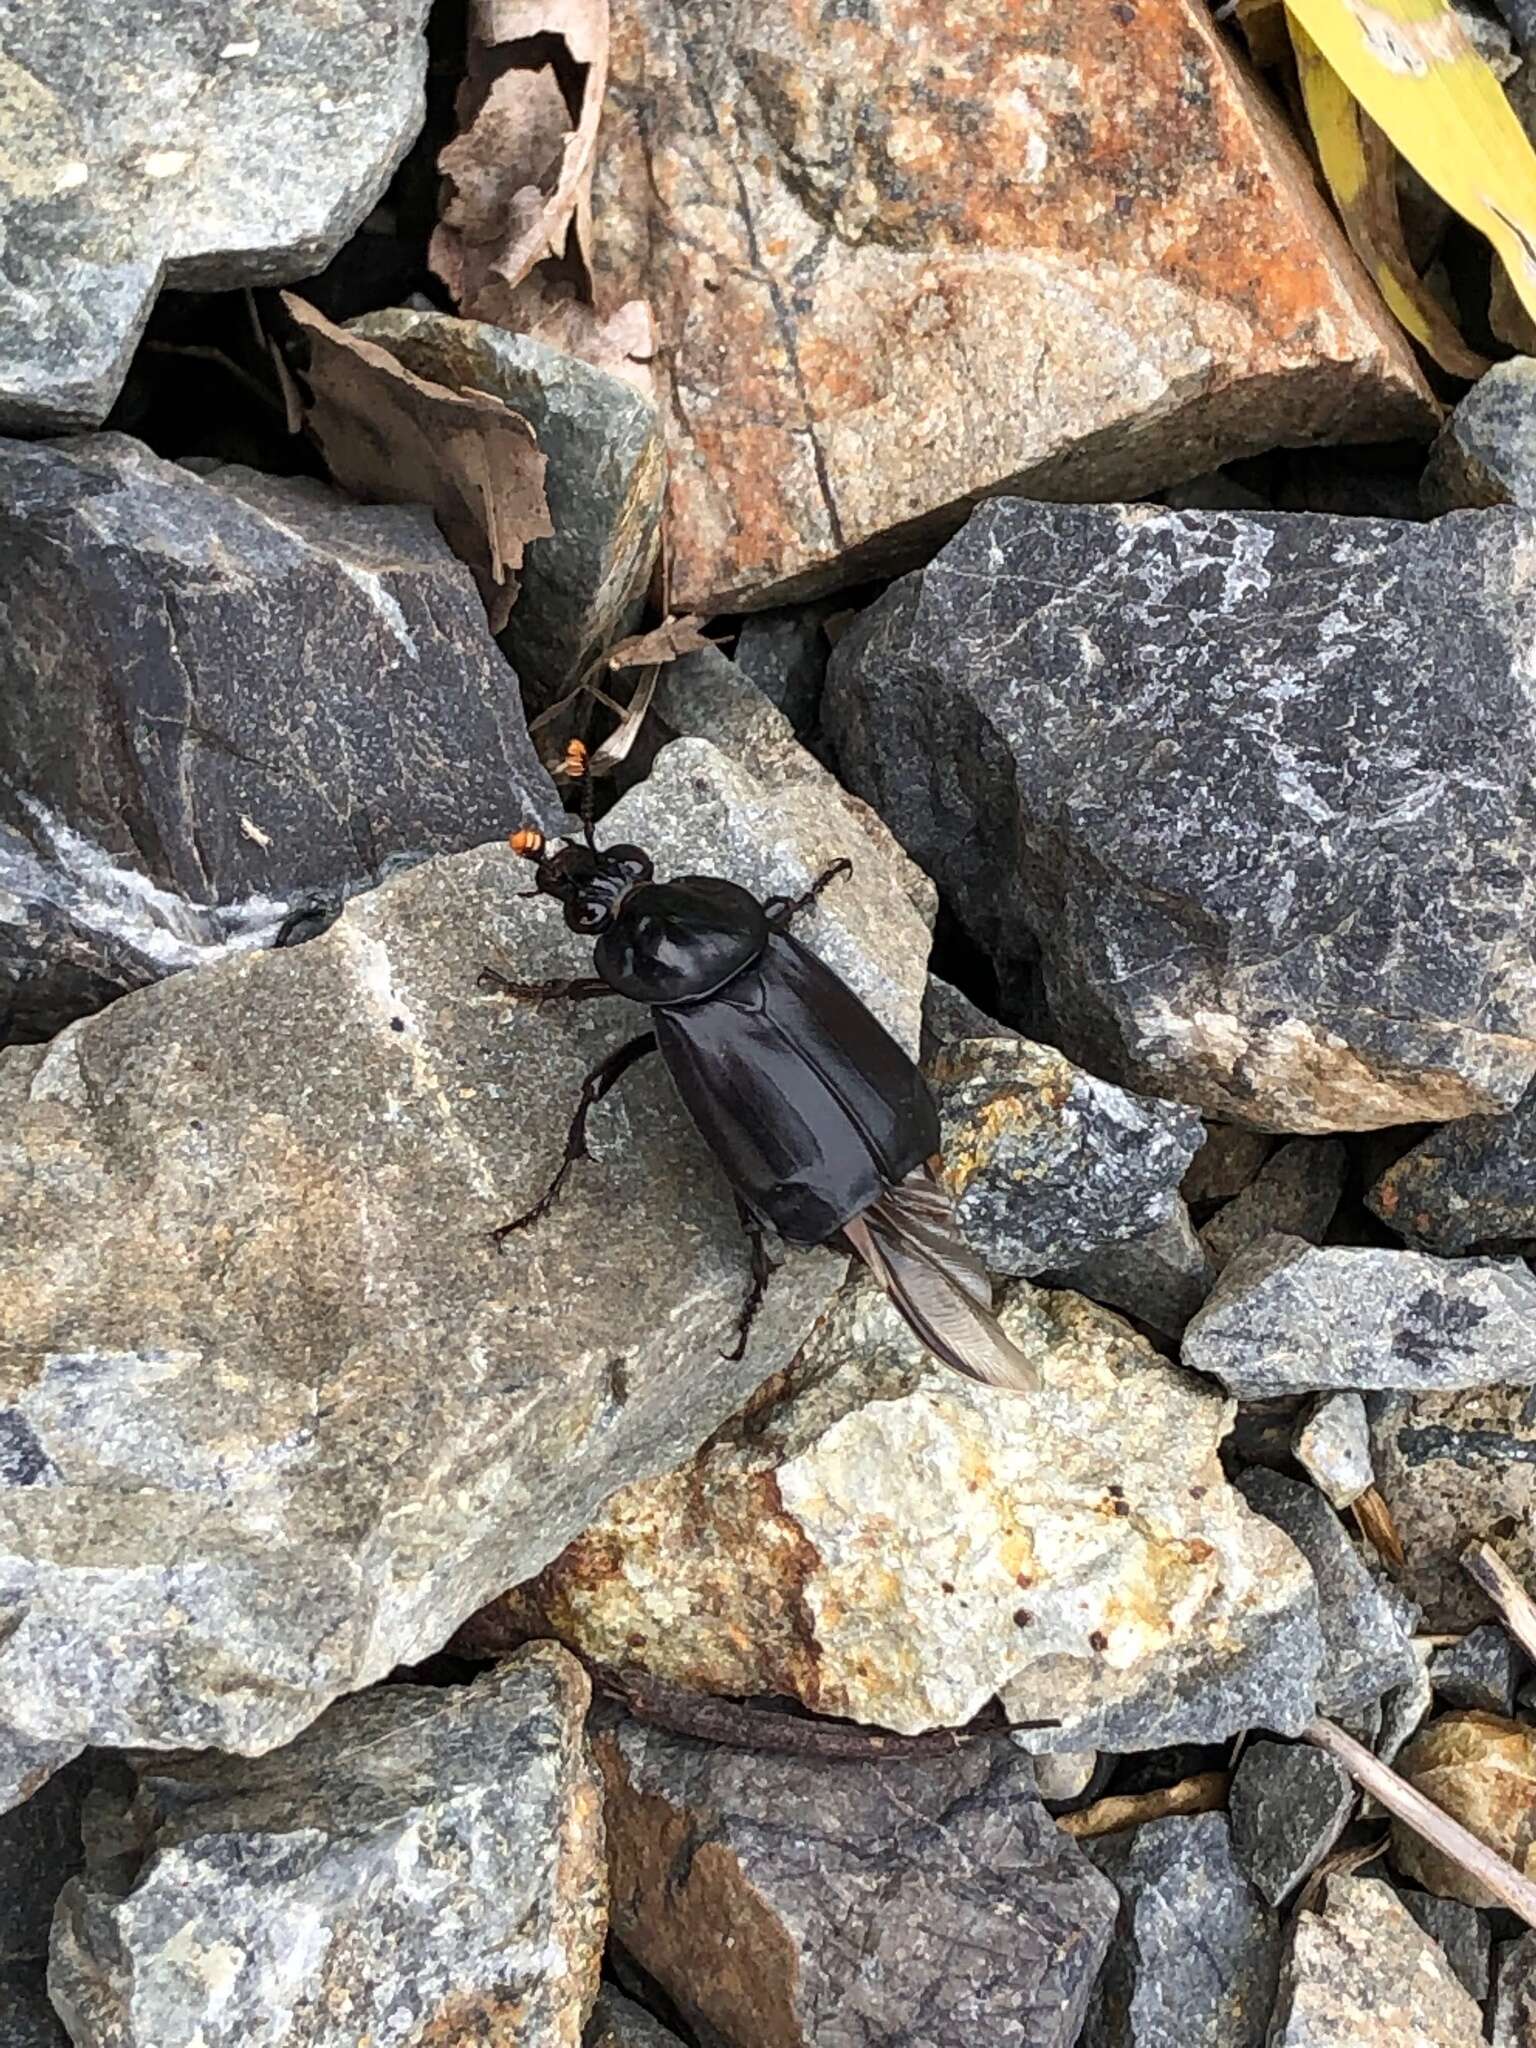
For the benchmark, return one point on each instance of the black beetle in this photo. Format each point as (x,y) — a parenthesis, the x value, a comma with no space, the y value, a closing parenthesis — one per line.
(822,1124)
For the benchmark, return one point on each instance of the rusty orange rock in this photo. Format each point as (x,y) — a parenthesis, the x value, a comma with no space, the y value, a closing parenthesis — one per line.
(904,256)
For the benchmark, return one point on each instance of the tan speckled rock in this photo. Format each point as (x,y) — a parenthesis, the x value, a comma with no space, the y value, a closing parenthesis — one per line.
(274,1415)
(1363,1974)
(881,1540)
(1482,1769)
(902,256)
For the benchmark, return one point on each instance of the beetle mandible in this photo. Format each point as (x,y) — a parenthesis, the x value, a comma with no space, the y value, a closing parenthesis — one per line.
(823,1126)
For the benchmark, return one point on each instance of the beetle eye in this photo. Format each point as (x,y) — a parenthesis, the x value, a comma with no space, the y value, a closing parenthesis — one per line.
(587,914)
(633,863)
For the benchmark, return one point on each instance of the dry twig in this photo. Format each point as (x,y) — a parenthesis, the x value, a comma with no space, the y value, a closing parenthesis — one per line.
(1204,1793)
(1517,1610)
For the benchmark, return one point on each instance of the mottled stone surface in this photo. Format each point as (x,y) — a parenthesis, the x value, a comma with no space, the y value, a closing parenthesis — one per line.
(1481,1768)
(1289,1318)
(1163,1985)
(791,1904)
(1486,451)
(1513,2015)
(1046,1163)
(423,1865)
(1362,1974)
(887,1542)
(1456,1469)
(1295,1192)
(1462,1933)
(617,2022)
(1225,1164)
(276,1414)
(39,1850)
(1333,1447)
(1160,1279)
(1368,1649)
(194,144)
(584,585)
(1470,1182)
(1275,857)
(172,780)
(846,221)
(27,2019)
(1289,1803)
(786,654)
(1482,1670)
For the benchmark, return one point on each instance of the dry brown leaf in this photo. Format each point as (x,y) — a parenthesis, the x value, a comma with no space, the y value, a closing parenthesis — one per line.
(390,437)
(623,344)
(520,170)
(666,642)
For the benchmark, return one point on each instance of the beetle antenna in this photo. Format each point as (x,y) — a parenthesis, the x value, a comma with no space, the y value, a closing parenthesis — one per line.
(577,767)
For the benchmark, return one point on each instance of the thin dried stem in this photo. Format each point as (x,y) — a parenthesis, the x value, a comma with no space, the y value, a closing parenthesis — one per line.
(1204,1793)
(1517,1610)
(1425,1818)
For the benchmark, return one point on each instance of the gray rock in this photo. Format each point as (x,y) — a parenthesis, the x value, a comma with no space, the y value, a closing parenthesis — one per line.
(1405,1709)
(1225,1163)
(1513,2018)
(1160,1279)
(1287,1317)
(884,1542)
(423,1864)
(778,1899)
(1482,1670)
(39,1849)
(188,145)
(584,586)
(1461,1933)
(1064,1775)
(1456,1469)
(617,2022)
(786,653)
(1521,16)
(1488,35)
(948,1015)
(1289,1804)
(1333,1447)
(1486,451)
(1275,859)
(278,1415)
(1368,1649)
(1362,1974)
(1468,1183)
(1295,1192)
(1164,1985)
(27,2020)
(1046,1164)
(173,782)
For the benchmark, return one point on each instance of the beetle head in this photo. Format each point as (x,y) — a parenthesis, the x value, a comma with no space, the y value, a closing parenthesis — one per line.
(591,885)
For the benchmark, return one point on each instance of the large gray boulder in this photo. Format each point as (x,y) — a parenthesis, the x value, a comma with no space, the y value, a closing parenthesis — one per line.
(198,143)
(218,695)
(1254,790)
(274,1414)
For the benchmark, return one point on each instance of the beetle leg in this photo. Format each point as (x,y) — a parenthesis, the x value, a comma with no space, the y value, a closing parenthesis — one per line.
(593,1089)
(763,1270)
(581,990)
(781,911)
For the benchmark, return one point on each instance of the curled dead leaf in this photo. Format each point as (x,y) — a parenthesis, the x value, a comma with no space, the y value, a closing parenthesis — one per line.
(519,174)
(390,437)
(666,642)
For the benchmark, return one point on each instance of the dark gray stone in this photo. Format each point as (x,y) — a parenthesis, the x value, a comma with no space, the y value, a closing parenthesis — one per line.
(195,144)
(1368,1650)
(617,2022)
(1197,1951)
(1289,1804)
(27,2020)
(39,1850)
(1482,1670)
(1521,17)
(1486,452)
(1274,855)
(1462,1932)
(1287,1317)
(948,1015)
(1456,1469)
(277,1413)
(786,655)
(1225,1163)
(1048,1164)
(1332,1445)
(424,1864)
(219,696)
(582,587)
(1471,1182)
(1513,2017)
(1296,1192)
(776,1898)
(1161,1278)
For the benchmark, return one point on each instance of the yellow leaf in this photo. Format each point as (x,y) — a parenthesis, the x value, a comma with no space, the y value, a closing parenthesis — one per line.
(1358,163)
(1411,67)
